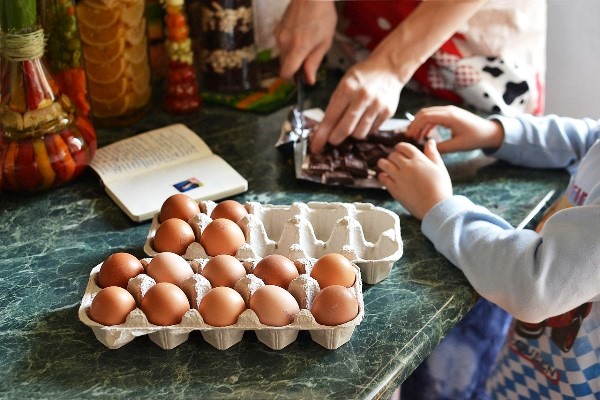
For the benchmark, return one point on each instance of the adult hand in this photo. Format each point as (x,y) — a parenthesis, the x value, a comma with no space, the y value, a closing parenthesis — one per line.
(469,131)
(304,36)
(367,95)
(416,180)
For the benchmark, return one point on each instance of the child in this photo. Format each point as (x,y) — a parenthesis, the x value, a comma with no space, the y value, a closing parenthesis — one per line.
(549,281)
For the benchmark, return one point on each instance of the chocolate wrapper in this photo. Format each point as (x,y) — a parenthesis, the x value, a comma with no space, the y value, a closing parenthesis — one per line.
(352,163)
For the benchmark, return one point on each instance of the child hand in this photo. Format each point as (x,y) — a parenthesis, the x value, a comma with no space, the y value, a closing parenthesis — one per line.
(417,180)
(469,131)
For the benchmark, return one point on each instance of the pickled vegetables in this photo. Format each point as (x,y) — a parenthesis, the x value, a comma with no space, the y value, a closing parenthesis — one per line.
(64,54)
(182,86)
(44,142)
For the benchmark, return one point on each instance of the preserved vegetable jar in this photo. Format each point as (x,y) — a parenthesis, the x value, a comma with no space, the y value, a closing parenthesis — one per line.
(181,84)
(115,51)
(228,58)
(63,51)
(44,141)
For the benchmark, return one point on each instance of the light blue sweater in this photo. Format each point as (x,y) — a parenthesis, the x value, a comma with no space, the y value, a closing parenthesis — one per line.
(537,276)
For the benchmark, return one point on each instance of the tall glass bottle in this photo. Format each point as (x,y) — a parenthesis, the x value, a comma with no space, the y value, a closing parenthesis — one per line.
(63,51)
(115,51)
(44,141)
(181,84)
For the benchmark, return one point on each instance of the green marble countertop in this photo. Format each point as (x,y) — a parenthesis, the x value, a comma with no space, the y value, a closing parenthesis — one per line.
(50,241)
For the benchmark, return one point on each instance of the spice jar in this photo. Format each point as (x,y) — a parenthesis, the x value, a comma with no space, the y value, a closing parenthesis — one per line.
(229,53)
(181,84)
(44,142)
(115,51)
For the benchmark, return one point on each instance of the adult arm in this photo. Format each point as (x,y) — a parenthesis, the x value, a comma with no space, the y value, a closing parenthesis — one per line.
(304,36)
(368,93)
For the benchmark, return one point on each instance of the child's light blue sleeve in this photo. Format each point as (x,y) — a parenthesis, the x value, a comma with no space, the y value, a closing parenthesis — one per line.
(532,276)
(546,142)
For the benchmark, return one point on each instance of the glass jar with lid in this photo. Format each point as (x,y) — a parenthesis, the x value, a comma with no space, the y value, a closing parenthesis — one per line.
(115,51)
(229,63)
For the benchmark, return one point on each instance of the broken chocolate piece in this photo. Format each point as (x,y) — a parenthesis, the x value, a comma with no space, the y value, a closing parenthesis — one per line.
(387,138)
(373,155)
(337,177)
(318,167)
(355,166)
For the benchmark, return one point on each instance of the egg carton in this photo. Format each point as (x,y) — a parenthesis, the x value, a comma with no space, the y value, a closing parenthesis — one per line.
(367,235)
(304,288)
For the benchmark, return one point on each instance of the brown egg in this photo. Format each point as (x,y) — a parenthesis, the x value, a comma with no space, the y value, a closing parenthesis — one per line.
(229,209)
(179,206)
(169,267)
(334,305)
(165,304)
(117,269)
(274,305)
(111,306)
(223,270)
(222,236)
(333,269)
(276,269)
(173,235)
(221,306)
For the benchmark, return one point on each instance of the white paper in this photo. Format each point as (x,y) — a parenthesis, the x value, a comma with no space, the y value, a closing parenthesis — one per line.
(141,172)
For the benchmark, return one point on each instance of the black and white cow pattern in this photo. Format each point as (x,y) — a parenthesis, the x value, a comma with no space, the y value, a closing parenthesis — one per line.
(488,83)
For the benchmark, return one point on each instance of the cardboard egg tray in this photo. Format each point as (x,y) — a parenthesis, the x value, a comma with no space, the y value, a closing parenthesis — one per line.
(304,289)
(367,235)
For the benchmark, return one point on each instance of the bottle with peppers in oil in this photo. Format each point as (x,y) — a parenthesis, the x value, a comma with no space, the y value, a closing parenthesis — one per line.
(182,94)
(44,141)
(64,53)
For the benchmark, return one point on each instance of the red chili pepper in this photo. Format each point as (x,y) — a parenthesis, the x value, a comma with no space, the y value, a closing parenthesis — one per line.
(17,89)
(67,161)
(56,159)
(88,132)
(78,148)
(34,93)
(26,170)
(72,82)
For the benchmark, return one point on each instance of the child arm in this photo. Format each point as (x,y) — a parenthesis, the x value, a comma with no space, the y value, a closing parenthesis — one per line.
(546,142)
(532,276)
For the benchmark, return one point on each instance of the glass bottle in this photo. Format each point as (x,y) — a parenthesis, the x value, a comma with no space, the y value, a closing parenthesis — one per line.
(115,51)
(44,141)
(63,51)
(181,84)
(229,53)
